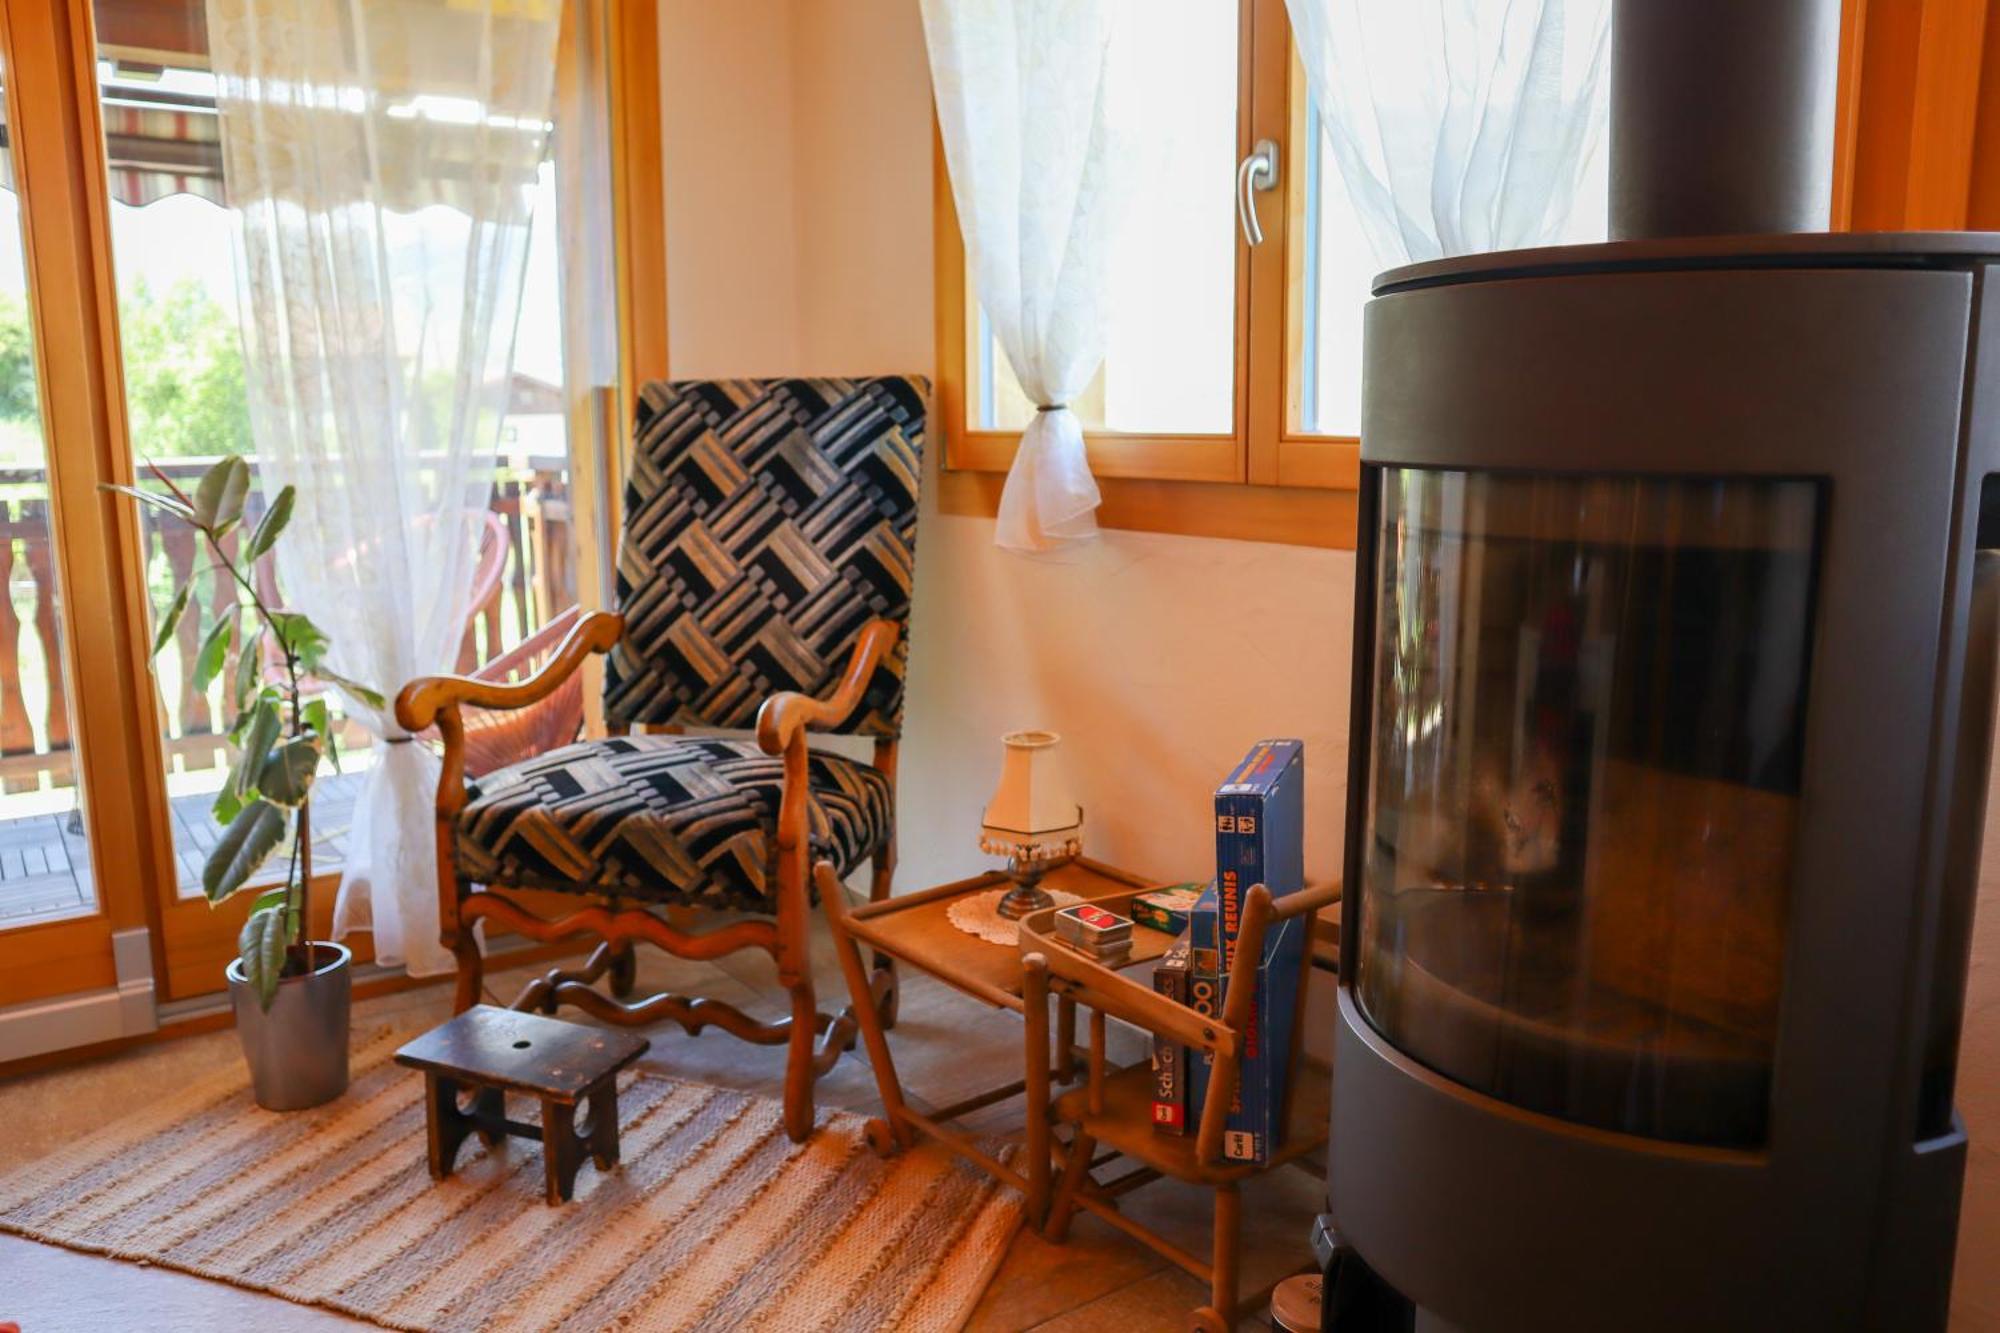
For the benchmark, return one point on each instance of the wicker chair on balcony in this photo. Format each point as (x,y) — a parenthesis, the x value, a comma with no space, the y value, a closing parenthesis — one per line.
(764,579)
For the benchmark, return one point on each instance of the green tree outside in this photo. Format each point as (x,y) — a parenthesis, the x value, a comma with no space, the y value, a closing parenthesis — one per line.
(183,376)
(183,372)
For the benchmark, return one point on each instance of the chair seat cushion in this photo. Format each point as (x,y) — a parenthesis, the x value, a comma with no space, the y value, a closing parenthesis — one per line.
(672,819)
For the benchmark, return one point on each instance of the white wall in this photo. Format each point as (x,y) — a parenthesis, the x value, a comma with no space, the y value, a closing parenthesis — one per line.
(732,235)
(1159,658)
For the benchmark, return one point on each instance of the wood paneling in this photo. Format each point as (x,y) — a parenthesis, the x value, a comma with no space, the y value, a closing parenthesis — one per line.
(1911,87)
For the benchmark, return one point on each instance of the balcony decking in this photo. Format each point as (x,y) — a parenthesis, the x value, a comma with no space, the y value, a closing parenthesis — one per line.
(45,869)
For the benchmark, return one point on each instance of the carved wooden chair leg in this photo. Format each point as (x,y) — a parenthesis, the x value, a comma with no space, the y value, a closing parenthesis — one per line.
(545,992)
(794,956)
(624,969)
(799,1073)
(471,970)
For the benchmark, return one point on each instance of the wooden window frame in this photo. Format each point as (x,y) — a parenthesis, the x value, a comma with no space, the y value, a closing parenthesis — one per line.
(1917,132)
(1262,482)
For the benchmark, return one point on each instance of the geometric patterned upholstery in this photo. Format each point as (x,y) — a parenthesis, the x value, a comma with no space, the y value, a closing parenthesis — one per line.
(670,819)
(766,522)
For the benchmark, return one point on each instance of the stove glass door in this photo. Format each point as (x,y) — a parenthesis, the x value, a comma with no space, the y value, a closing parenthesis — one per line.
(1584,768)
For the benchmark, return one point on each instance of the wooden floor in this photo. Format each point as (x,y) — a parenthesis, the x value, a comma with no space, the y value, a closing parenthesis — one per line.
(45,860)
(945,1046)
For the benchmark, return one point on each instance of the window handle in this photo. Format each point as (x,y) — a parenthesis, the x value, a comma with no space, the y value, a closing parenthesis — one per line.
(1255,174)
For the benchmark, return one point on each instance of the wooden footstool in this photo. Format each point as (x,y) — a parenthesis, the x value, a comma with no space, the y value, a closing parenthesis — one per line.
(493,1052)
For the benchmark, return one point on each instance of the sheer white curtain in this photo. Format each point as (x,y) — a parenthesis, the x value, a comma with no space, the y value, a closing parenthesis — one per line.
(1458,126)
(1021,100)
(379,157)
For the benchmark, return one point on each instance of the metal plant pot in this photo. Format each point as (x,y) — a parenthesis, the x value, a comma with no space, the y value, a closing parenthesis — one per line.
(297,1049)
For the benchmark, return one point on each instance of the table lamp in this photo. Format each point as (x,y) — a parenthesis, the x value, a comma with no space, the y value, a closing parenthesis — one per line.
(1032,820)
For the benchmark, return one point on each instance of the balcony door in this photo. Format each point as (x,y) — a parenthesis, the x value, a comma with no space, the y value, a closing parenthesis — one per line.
(77,955)
(115,246)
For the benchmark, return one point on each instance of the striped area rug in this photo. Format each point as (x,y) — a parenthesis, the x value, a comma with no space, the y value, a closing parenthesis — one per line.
(714,1219)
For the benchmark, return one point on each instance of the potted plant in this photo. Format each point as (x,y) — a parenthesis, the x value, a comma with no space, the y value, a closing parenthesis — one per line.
(291,992)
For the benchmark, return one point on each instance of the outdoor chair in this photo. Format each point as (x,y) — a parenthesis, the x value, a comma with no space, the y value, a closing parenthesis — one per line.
(764,574)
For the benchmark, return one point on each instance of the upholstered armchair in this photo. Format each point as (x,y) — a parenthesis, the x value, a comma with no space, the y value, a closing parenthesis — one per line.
(764,573)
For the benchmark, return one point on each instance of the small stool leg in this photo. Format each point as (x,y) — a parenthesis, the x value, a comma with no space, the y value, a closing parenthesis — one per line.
(489,1116)
(604,1123)
(446,1126)
(562,1153)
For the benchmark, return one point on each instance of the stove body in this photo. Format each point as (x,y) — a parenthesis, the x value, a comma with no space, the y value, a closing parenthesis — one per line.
(1671,719)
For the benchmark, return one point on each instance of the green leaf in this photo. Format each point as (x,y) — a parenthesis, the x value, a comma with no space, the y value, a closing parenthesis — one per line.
(165,503)
(218,497)
(227,804)
(288,773)
(170,622)
(214,650)
(320,719)
(249,666)
(300,637)
(243,847)
(262,945)
(269,526)
(239,726)
(354,687)
(270,898)
(258,737)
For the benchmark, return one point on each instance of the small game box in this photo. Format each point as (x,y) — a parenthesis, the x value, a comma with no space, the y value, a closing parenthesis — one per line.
(1166,909)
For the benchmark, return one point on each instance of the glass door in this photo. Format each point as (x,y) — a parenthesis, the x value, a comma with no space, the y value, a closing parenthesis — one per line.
(170,233)
(76,952)
(48,894)
(116,267)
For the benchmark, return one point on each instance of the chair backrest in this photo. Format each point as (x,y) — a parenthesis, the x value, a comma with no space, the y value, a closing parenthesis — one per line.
(766,522)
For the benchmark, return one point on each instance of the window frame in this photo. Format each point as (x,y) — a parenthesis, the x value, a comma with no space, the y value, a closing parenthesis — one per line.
(1266,481)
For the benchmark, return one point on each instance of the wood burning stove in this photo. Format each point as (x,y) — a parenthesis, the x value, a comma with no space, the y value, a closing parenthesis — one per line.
(1673,691)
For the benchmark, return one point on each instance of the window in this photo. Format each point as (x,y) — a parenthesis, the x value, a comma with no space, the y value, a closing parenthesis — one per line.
(1229,402)
(1170,365)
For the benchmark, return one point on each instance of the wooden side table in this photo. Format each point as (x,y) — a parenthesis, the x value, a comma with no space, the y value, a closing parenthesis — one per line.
(914,929)
(493,1052)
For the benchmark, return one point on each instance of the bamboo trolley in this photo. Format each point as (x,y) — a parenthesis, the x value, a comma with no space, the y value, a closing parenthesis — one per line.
(1114,1106)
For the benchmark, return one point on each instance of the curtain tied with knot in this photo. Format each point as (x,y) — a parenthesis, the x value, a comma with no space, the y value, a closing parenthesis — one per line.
(1021,99)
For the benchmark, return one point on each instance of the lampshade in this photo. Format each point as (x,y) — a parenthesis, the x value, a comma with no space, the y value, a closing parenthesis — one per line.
(1032,805)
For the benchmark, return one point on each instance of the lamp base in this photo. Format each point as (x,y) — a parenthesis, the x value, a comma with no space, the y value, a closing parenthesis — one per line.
(1023,899)
(1027,895)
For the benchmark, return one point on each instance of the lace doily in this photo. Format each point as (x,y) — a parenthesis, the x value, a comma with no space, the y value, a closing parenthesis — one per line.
(978,914)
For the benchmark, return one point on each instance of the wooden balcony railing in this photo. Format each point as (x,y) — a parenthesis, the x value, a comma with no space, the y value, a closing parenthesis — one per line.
(536,581)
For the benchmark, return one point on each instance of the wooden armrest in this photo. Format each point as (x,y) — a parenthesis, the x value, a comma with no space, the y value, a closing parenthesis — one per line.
(787,715)
(419,702)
